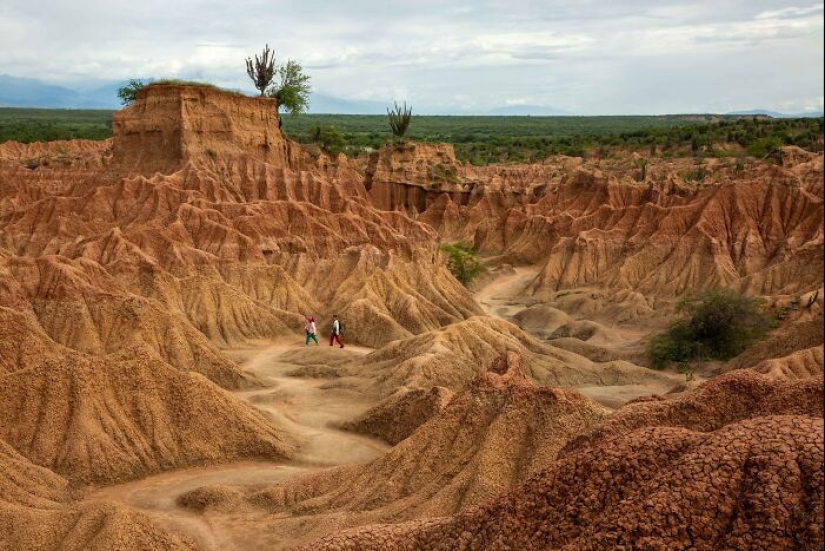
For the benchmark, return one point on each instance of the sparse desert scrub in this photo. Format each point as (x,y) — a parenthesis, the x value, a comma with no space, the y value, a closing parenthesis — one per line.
(718,325)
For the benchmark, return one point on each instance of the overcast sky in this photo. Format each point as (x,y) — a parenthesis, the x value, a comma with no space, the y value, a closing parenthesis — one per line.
(581,56)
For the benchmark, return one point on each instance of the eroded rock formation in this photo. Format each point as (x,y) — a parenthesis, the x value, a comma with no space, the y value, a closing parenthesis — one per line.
(760,232)
(737,463)
(755,484)
(128,266)
(499,430)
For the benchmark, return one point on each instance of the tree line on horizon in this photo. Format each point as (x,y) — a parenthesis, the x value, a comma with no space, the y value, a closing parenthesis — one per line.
(483,140)
(488,140)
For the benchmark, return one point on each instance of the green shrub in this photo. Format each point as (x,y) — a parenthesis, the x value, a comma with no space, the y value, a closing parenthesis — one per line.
(763,146)
(128,93)
(719,325)
(693,175)
(462,262)
(328,138)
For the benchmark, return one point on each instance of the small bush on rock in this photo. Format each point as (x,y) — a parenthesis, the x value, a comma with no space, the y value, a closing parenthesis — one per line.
(462,262)
(328,138)
(128,93)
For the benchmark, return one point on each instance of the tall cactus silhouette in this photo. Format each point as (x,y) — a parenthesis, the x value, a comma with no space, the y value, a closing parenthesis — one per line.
(262,70)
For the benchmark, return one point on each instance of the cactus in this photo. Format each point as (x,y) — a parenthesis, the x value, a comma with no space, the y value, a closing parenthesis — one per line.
(262,71)
(399,119)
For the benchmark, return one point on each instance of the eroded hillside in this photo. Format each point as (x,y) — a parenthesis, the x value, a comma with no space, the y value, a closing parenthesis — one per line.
(153,289)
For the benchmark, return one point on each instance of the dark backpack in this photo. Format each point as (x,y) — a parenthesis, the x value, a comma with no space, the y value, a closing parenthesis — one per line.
(340,327)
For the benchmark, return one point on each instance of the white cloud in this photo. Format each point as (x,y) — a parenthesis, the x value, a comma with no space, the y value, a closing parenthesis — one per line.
(578,55)
(791,11)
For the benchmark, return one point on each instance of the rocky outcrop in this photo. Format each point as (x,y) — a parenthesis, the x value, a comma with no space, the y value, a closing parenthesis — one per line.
(755,484)
(398,416)
(589,224)
(170,124)
(399,176)
(721,401)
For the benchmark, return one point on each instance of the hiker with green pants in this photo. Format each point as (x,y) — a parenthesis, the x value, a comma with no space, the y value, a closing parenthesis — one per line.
(311,330)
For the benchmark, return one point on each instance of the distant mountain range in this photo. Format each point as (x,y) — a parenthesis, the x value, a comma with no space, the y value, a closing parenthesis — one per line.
(526,110)
(29,92)
(322,103)
(778,115)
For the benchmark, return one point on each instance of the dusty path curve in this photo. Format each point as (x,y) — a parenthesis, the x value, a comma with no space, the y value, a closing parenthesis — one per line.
(505,296)
(304,407)
(308,408)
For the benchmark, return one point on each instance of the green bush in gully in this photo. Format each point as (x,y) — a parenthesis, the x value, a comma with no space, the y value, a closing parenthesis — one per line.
(462,262)
(328,139)
(718,325)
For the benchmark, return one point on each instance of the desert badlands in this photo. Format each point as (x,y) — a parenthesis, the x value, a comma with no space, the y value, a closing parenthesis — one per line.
(156,393)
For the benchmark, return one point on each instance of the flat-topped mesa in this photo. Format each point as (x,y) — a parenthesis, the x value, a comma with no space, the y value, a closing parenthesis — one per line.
(409,176)
(171,124)
(415,176)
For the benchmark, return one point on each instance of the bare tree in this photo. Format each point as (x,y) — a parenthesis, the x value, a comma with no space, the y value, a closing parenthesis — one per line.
(399,119)
(262,70)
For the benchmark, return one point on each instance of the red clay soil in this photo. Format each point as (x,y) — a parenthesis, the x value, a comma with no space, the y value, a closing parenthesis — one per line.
(400,415)
(725,399)
(756,484)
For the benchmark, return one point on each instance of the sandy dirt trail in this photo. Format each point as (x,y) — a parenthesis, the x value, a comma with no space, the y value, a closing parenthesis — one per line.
(505,297)
(302,406)
(308,409)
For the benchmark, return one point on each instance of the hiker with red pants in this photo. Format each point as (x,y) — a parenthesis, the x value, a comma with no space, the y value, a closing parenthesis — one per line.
(335,336)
